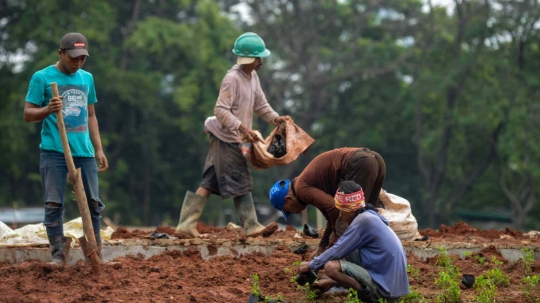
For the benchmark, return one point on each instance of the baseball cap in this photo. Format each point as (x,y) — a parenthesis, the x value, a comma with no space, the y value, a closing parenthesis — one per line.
(75,44)
(277,196)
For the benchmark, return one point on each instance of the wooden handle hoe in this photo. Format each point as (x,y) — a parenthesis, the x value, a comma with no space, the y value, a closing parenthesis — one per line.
(88,241)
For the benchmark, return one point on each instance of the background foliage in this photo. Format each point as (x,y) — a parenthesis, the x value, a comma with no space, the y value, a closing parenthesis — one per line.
(448,96)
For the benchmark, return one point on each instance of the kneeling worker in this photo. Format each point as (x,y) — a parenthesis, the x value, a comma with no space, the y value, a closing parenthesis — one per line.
(377,264)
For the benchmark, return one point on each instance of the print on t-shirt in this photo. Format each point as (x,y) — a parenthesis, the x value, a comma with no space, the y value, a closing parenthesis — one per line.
(75,107)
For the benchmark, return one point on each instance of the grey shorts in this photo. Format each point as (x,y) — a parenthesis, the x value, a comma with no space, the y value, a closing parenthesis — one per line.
(226,172)
(359,274)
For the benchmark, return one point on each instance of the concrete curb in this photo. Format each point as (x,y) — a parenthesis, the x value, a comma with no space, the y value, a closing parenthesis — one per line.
(211,248)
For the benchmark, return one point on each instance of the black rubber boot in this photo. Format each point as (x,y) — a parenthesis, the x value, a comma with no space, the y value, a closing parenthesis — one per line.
(59,246)
(367,296)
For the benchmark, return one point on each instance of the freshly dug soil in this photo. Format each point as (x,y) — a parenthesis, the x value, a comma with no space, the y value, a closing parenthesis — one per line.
(177,277)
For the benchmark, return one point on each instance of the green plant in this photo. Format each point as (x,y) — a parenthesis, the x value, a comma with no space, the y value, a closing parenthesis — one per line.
(412,271)
(310,294)
(255,289)
(352,296)
(449,278)
(528,260)
(449,285)
(497,277)
(481,260)
(297,263)
(486,290)
(413,296)
(467,254)
(280,297)
(443,259)
(495,261)
(528,284)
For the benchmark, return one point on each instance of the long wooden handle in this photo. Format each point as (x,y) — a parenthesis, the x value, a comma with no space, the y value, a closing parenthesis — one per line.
(74,176)
(63,133)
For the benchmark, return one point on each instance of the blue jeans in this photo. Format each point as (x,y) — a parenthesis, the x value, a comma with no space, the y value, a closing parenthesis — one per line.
(53,170)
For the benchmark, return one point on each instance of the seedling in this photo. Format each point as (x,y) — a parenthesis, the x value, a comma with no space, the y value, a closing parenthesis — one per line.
(467,254)
(496,262)
(413,296)
(528,260)
(352,297)
(481,260)
(497,278)
(528,284)
(279,298)
(449,278)
(412,271)
(310,294)
(297,263)
(450,287)
(255,289)
(443,260)
(486,290)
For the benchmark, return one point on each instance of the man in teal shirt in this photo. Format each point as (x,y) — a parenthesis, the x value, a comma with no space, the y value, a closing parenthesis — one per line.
(77,98)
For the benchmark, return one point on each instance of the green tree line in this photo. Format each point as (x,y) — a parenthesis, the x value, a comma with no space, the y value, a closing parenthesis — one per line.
(447,95)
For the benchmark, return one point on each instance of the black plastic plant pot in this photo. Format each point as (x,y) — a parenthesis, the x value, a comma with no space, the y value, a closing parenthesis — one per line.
(310,231)
(254,299)
(467,280)
(306,278)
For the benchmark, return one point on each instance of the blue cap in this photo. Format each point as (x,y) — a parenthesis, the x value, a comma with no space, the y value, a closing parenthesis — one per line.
(277,196)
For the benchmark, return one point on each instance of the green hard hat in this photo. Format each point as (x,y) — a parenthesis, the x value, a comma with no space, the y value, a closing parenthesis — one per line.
(250,45)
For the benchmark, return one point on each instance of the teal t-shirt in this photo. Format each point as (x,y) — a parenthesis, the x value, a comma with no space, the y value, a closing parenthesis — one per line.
(78,92)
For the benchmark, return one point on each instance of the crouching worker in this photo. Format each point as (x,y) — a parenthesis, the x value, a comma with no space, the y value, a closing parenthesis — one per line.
(376,265)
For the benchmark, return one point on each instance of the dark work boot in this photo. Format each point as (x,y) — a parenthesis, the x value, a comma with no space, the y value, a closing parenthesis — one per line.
(59,246)
(367,296)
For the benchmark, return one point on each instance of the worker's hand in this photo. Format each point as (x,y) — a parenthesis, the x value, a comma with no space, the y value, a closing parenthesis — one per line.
(248,134)
(304,268)
(282,119)
(317,252)
(102,161)
(55,105)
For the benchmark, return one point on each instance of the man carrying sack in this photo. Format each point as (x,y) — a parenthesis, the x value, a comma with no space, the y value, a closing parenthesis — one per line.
(317,184)
(77,98)
(375,264)
(226,172)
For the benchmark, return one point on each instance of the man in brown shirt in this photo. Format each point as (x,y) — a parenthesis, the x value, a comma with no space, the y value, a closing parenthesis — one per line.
(226,172)
(319,181)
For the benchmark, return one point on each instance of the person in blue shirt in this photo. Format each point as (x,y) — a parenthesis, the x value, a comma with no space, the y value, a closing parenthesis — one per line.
(76,101)
(375,263)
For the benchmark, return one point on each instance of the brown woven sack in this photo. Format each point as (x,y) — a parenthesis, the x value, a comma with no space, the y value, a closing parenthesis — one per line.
(297,141)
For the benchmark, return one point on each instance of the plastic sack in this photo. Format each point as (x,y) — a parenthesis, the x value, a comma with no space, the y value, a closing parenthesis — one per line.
(398,212)
(297,141)
(35,234)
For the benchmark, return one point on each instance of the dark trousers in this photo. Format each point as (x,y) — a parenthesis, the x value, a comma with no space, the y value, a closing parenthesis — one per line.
(367,168)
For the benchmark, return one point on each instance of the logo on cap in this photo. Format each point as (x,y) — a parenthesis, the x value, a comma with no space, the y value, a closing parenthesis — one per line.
(78,44)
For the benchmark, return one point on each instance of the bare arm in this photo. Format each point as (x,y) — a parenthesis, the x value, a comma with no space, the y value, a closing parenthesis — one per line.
(35,113)
(95,138)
